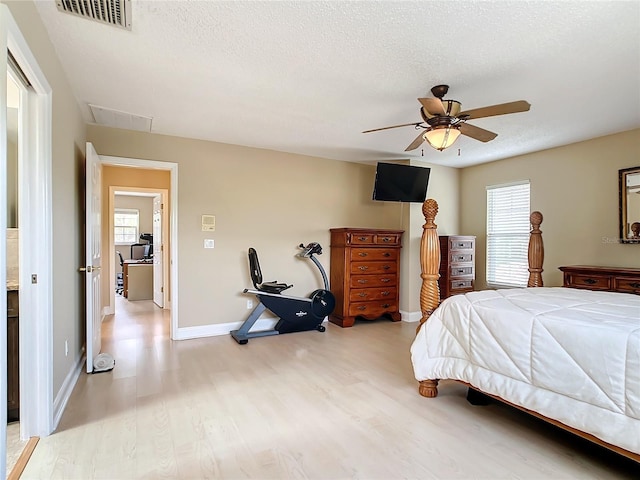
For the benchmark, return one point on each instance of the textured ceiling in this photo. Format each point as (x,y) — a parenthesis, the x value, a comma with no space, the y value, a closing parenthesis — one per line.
(308,77)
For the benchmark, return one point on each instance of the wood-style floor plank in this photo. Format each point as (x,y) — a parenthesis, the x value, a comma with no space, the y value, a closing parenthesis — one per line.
(332,405)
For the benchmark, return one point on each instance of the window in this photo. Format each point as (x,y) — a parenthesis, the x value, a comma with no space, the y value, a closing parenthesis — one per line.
(125,225)
(508,229)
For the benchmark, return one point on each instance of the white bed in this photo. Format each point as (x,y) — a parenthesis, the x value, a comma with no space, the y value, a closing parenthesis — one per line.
(569,356)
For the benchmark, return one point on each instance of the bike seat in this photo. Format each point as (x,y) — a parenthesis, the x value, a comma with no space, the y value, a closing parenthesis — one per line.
(256,276)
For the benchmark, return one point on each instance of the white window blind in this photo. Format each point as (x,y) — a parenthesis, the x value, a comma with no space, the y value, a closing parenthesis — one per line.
(508,229)
(125,225)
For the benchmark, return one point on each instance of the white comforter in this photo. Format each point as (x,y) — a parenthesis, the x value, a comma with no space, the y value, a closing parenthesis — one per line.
(571,355)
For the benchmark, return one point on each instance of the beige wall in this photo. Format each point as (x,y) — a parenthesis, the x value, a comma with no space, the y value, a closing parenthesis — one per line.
(268,200)
(443,187)
(122,178)
(576,189)
(68,145)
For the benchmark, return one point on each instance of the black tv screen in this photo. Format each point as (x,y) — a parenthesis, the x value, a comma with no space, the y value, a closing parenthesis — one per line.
(401,183)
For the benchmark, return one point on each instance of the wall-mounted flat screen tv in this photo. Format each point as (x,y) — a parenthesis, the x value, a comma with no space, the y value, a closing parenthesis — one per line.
(400,183)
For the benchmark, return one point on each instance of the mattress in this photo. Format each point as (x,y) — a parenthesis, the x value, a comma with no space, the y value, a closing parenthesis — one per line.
(571,355)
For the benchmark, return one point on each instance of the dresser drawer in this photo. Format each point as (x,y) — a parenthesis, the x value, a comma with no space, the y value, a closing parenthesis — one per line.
(459,257)
(373,267)
(461,271)
(367,294)
(591,282)
(372,308)
(626,285)
(390,239)
(366,281)
(466,244)
(359,254)
(461,284)
(361,239)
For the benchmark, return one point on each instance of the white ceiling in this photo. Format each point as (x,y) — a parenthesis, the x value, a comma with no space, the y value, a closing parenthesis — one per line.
(309,76)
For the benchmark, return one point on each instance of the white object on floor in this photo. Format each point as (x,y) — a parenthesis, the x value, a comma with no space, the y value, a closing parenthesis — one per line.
(103,363)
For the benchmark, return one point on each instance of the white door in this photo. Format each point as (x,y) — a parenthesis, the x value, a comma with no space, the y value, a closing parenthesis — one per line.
(158,251)
(92,247)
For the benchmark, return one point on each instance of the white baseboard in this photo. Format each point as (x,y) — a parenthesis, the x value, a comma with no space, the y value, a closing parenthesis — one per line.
(60,402)
(411,316)
(108,310)
(186,333)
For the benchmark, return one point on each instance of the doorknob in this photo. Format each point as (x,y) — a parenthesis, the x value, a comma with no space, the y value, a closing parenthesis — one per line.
(88,269)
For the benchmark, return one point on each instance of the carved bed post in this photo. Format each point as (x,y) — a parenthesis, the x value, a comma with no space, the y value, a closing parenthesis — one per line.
(536,251)
(429,261)
(430,267)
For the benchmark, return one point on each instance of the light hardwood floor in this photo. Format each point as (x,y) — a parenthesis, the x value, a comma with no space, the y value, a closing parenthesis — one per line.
(332,405)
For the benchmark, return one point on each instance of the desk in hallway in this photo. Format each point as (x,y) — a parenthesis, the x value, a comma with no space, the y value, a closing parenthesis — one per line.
(138,280)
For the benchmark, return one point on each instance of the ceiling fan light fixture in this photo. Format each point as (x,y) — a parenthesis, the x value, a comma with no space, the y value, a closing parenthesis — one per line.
(441,136)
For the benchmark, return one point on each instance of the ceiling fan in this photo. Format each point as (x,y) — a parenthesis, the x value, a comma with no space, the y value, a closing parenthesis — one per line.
(443,122)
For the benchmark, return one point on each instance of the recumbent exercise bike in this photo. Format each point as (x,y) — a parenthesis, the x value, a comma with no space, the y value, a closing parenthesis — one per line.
(295,314)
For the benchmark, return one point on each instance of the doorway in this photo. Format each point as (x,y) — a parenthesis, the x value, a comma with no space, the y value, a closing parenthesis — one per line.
(34,240)
(136,176)
(137,234)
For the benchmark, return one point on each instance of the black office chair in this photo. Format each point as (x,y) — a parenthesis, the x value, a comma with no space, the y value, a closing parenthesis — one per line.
(120,276)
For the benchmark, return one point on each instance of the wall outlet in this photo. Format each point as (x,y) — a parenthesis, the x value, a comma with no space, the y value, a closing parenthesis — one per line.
(249,304)
(66,348)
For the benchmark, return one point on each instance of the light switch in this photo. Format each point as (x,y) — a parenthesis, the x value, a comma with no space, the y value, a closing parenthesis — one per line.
(208,243)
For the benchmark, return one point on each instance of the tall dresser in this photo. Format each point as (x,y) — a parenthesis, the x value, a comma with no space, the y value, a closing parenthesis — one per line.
(457,264)
(365,274)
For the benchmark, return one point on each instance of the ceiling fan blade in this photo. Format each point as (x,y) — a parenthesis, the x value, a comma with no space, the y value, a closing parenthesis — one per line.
(493,110)
(416,143)
(393,126)
(476,132)
(433,106)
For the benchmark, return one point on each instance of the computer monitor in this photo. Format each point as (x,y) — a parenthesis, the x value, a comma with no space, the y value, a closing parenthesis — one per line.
(138,251)
(148,251)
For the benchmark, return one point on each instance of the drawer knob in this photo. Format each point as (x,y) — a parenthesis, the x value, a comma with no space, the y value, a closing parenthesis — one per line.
(362,239)
(363,267)
(386,305)
(386,267)
(386,254)
(385,293)
(361,281)
(635,285)
(362,294)
(362,307)
(590,281)
(363,254)
(386,239)
(385,280)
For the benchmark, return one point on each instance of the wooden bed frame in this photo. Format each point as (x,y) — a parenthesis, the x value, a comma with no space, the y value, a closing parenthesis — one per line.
(430,299)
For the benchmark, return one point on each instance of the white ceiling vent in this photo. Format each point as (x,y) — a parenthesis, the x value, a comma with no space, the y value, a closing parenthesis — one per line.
(115,118)
(111,12)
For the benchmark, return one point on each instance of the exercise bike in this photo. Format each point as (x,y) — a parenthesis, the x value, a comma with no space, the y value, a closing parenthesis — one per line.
(295,314)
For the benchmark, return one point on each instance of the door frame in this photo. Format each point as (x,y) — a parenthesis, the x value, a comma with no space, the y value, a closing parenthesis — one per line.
(111,257)
(172,224)
(35,240)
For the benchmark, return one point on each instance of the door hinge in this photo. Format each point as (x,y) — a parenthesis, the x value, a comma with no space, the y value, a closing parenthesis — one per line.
(161,289)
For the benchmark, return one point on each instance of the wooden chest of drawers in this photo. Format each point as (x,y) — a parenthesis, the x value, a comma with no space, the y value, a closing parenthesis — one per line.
(457,264)
(611,279)
(365,274)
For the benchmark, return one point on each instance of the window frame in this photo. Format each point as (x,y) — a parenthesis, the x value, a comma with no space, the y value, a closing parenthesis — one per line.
(125,211)
(517,240)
